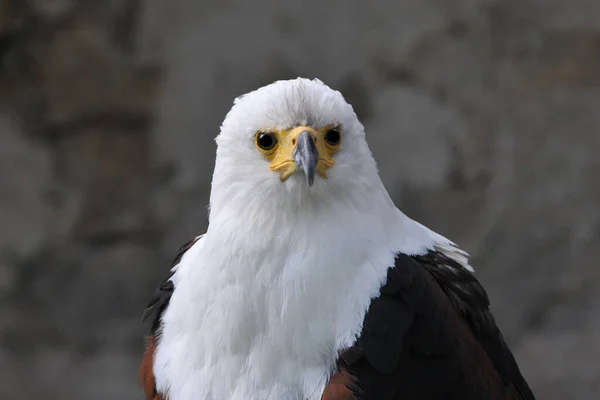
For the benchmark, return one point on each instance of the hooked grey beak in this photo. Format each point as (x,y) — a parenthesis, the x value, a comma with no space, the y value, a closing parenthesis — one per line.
(306,156)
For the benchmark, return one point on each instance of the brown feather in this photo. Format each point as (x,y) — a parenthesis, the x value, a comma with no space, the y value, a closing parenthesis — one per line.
(147,373)
(341,386)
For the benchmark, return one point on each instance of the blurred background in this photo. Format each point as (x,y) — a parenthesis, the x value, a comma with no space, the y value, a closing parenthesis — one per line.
(484,116)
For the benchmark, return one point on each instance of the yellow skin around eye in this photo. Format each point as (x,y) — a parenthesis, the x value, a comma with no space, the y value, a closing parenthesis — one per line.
(280,156)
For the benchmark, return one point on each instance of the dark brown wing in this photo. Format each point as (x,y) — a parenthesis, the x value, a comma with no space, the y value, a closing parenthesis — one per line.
(157,305)
(430,335)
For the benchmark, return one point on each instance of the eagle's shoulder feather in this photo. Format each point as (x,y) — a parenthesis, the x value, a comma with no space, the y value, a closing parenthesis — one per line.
(430,334)
(154,310)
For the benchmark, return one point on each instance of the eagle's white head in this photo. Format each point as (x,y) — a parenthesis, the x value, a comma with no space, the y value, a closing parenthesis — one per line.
(292,145)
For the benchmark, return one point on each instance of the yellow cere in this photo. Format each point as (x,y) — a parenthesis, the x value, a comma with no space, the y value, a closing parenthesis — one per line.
(280,156)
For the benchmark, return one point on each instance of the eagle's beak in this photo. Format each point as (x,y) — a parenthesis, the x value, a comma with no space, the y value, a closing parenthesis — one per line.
(306,156)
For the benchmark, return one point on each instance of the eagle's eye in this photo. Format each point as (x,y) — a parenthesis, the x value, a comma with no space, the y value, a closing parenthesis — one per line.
(266,140)
(332,136)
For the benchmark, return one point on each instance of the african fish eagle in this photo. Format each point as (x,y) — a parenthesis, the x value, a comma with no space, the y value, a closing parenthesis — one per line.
(309,283)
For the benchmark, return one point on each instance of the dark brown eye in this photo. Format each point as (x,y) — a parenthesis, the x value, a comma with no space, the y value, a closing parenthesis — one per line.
(266,140)
(333,137)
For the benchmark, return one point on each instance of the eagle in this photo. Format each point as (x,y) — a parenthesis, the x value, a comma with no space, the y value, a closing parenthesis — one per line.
(309,283)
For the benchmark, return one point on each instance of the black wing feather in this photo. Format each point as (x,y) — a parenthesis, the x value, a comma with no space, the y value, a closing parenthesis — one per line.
(161,296)
(415,344)
(468,296)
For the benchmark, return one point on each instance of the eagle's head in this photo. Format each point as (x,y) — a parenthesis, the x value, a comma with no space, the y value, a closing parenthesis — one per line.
(294,143)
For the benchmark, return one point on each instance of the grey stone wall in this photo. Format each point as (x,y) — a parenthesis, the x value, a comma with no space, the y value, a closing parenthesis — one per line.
(484,117)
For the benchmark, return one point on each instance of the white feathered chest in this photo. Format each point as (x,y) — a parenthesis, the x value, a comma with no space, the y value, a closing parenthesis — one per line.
(265,319)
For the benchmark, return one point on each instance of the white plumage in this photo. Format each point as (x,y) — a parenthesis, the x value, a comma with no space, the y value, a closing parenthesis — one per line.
(281,281)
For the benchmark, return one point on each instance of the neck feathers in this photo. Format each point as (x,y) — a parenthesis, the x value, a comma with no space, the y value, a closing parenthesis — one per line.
(279,290)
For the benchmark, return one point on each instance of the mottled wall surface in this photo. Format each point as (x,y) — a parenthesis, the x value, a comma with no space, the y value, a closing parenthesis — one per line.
(484,117)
